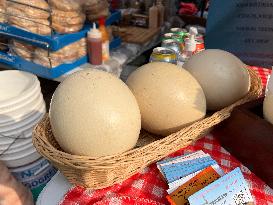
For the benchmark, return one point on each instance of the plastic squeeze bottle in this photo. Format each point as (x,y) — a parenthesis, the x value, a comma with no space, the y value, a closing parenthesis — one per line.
(190,47)
(105,40)
(153,17)
(94,40)
(161,12)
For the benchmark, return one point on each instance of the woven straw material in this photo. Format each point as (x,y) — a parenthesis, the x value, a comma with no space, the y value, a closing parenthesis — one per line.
(97,173)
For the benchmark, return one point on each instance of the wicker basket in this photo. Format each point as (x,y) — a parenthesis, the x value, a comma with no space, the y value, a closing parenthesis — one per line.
(97,173)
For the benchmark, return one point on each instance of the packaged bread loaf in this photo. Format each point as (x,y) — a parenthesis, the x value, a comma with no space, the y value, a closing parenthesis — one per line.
(66,28)
(28,12)
(67,15)
(68,20)
(46,62)
(40,4)
(30,15)
(38,26)
(23,50)
(67,54)
(66,5)
(95,9)
(3,17)
(11,191)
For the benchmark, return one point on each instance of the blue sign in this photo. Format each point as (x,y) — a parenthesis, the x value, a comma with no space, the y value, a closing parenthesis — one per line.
(244,28)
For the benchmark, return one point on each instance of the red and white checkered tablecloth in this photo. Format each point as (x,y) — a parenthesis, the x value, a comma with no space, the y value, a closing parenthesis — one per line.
(148,188)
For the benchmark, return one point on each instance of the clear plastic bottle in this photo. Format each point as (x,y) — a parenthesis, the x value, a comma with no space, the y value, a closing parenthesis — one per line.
(190,47)
(94,40)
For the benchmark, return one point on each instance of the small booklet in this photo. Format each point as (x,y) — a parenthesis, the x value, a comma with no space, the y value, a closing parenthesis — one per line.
(231,189)
(176,184)
(173,171)
(201,180)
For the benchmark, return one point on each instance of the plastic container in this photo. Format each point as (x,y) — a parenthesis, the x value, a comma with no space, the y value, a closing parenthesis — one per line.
(105,40)
(8,120)
(153,17)
(190,48)
(24,107)
(18,137)
(18,143)
(161,12)
(94,46)
(24,123)
(29,177)
(14,85)
(21,160)
(54,191)
(22,130)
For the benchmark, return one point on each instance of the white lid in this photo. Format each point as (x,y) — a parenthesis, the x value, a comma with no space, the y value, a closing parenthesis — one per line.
(94,32)
(190,44)
(193,31)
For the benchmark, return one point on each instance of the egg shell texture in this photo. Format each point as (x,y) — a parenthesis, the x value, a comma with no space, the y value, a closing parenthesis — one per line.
(223,77)
(93,113)
(169,97)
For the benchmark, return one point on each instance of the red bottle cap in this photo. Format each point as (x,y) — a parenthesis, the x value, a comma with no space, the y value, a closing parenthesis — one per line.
(102,21)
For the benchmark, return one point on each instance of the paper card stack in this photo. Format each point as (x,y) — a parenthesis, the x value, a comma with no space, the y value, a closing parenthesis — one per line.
(197,179)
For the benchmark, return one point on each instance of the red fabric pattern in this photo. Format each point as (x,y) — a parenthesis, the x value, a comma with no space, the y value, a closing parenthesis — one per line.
(148,188)
(188,9)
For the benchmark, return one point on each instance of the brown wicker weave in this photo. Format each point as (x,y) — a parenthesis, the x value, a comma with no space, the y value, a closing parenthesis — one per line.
(102,172)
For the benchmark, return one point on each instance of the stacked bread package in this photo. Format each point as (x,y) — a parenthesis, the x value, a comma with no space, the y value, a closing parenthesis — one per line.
(31,15)
(67,54)
(23,50)
(95,9)
(3,16)
(67,15)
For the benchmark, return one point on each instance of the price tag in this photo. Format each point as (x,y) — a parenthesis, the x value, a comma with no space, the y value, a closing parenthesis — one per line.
(230,189)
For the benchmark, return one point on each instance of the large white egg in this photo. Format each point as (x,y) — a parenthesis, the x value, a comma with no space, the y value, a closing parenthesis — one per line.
(268,107)
(268,101)
(223,77)
(169,97)
(95,114)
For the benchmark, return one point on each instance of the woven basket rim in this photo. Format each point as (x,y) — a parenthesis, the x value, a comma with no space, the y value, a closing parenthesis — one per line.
(77,159)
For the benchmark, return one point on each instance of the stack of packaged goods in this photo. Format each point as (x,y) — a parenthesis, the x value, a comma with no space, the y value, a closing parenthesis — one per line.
(67,54)
(197,179)
(67,16)
(52,34)
(96,9)
(3,18)
(30,15)
(47,58)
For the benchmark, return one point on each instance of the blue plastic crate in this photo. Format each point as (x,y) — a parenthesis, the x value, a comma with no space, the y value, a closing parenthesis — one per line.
(56,41)
(19,63)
